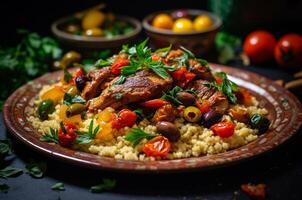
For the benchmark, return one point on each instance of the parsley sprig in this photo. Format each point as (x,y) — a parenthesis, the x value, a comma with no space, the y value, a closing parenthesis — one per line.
(136,135)
(52,136)
(141,58)
(228,87)
(69,99)
(85,137)
(171,95)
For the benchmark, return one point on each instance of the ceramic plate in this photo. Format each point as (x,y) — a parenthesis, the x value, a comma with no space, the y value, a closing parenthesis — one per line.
(285,114)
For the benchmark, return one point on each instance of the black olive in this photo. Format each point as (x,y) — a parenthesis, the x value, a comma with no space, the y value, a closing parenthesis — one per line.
(80,82)
(210,118)
(169,130)
(45,108)
(259,122)
(186,98)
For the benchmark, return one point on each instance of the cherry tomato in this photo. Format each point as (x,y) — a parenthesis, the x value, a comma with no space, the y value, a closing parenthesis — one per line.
(157,147)
(154,103)
(163,21)
(202,22)
(259,46)
(182,76)
(67,134)
(118,64)
(124,118)
(288,51)
(182,25)
(223,129)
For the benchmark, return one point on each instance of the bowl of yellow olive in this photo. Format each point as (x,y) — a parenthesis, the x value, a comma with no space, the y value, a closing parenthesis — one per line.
(193,29)
(95,29)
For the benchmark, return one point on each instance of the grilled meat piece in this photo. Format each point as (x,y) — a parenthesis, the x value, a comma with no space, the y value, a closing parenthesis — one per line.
(165,113)
(202,72)
(139,87)
(216,98)
(97,78)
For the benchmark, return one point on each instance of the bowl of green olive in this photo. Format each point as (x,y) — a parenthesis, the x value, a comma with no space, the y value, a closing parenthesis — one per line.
(193,29)
(95,29)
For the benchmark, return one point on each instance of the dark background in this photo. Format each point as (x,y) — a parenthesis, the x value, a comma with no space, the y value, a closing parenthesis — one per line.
(278,16)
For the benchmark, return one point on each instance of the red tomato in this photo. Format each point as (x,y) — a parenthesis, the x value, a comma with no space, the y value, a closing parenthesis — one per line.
(118,64)
(259,46)
(124,118)
(157,147)
(182,76)
(204,107)
(288,51)
(77,73)
(67,134)
(154,103)
(223,129)
(244,97)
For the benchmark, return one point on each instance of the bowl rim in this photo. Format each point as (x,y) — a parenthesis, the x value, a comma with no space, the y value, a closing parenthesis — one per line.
(147,26)
(68,36)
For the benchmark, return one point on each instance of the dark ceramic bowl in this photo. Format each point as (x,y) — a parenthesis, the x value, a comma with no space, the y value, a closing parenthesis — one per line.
(200,42)
(93,43)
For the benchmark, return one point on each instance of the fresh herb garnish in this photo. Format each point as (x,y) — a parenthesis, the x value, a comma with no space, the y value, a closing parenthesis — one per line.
(102,63)
(10,171)
(67,76)
(69,99)
(120,80)
(58,187)
(139,113)
(87,137)
(36,169)
(118,96)
(141,58)
(187,52)
(164,50)
(107,184)
(171,95)
(227,87)
(51,136)
(4,187)
(135,135)
(5,147)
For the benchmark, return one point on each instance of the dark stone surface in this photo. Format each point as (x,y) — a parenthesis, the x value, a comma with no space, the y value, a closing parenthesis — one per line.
(280,170)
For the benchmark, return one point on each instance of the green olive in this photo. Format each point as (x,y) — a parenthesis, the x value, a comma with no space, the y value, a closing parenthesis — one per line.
(69,58)
(45,108)
(75,109)
(73,91)
(192,114)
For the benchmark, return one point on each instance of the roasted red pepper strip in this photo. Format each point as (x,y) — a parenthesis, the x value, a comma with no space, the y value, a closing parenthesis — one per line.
(124,118)
(67,134)
(116,67)
(154,103)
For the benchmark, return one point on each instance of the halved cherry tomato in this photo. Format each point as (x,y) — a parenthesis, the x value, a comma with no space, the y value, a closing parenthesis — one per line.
(77,73)
(204,107)
(223,129)
(157,147)
(124,118)
(182,76)
(67,134)
(116,67)
(259,46)
(154,103)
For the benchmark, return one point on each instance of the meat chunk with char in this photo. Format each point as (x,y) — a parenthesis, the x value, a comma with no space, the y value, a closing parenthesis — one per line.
(216,98)
(139,87)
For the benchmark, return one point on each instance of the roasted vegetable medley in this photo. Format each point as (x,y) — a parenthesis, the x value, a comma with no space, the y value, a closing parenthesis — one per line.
(142,104)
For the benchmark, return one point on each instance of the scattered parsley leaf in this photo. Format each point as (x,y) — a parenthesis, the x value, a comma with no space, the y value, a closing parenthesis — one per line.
(107,184)
(171,95)
(51,136)
(36,169)
(5,147)
(87,137)
(10,171)
(139,113)
(188,52)
(4,187)
(135,135)
(102,63)
(58,187)
(120,80)
(69,99)
(159,69)
(67,76)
